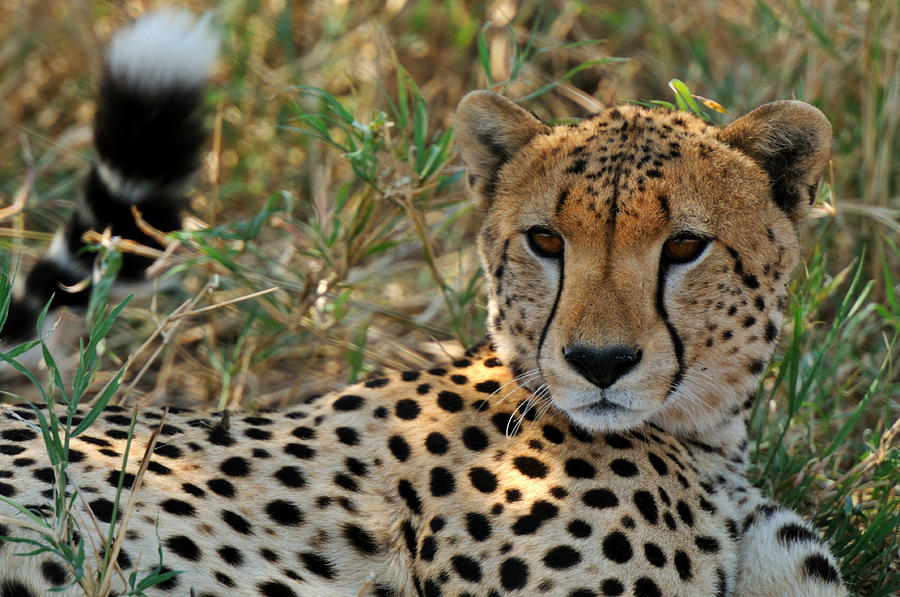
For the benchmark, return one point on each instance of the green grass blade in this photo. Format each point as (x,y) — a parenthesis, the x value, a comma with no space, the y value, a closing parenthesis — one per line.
(571,73)
(484,55)
(684,97)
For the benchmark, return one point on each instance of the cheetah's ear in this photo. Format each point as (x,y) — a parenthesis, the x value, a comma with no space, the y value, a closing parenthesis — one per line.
(791,140)
(490,129)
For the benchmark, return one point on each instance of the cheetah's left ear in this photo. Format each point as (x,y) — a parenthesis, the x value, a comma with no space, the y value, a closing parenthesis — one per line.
(791,140)
(490,130)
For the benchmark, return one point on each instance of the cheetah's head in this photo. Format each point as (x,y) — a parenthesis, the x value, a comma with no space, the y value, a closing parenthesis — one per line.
(637,262)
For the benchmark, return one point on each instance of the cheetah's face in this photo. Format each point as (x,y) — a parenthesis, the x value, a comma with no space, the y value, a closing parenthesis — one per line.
(637,262)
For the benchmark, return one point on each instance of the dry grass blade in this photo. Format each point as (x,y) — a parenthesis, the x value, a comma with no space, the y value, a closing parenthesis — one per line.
(106,580)
(873,460)
(166,330)
(889,217)
(123,245)
(18,202)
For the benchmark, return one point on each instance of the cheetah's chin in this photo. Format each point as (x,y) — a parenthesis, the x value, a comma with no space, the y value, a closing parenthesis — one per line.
(605,414)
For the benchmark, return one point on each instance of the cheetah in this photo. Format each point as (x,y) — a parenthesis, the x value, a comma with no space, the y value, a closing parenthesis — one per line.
(636,266)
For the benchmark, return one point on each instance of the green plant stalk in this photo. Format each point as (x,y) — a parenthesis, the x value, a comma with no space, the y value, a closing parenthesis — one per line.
(104,571)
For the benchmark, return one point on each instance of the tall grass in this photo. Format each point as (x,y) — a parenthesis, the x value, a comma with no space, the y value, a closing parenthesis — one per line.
(59,416)
(335,236)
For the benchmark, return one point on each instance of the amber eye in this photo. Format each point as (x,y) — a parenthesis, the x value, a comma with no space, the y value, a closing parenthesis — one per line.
(545,242)
(683,248)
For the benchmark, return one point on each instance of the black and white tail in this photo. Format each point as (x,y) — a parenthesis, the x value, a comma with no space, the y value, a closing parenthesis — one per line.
(148,136)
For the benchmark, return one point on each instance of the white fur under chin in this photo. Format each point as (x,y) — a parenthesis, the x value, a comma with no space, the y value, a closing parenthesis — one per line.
(166,48)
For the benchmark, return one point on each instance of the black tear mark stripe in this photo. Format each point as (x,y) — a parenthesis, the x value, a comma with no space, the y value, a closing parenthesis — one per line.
(559,288)
(677,345)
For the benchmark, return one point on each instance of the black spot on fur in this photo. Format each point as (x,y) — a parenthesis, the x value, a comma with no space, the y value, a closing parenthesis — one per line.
(513,574)
(13,588)
(18,435)
(623,468)
(478,526)
(617,548)
(795,532)
(561,557)
(644,587)
(231,555)
(646,505)
(530,467)
(235,466)
(347,435)
(409,495)
(707,544)
(290,476)
(237,522)
(436,443)
(221,487)
(360,539)
(317,565)
(349,402)
(487,387)
(579,529)
(541,512)
(183,546)
(177,507)
(771,332)
(579,469)
(467,568)
(600,498)
(399,448)
(442,482)
(407,409)
(53,573)
(450,401)
(654,555)
(482,479)
(475,439)
(274,588)
(683,565)
(220,436)
(818,567)
(612,587)
(756,366)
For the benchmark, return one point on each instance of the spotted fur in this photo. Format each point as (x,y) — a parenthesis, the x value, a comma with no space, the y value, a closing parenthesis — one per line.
(596,446)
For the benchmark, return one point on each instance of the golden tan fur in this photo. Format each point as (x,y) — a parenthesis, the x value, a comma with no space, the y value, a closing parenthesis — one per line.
(616,187)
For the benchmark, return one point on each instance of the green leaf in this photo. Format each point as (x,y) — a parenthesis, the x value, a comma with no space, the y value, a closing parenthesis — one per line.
(684,98)
(571,73)
(420,129)
(6,283)
(663,104)
(357,351)
(484,54)
(332,102)
(99,405)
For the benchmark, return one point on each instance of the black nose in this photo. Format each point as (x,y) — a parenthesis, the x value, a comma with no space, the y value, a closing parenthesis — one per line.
(602,367)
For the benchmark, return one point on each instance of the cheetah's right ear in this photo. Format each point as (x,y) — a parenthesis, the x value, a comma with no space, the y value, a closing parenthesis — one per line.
(791,140)
(490,129)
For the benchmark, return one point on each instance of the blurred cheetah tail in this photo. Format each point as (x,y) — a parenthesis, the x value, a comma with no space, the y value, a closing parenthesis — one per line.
(148,139)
